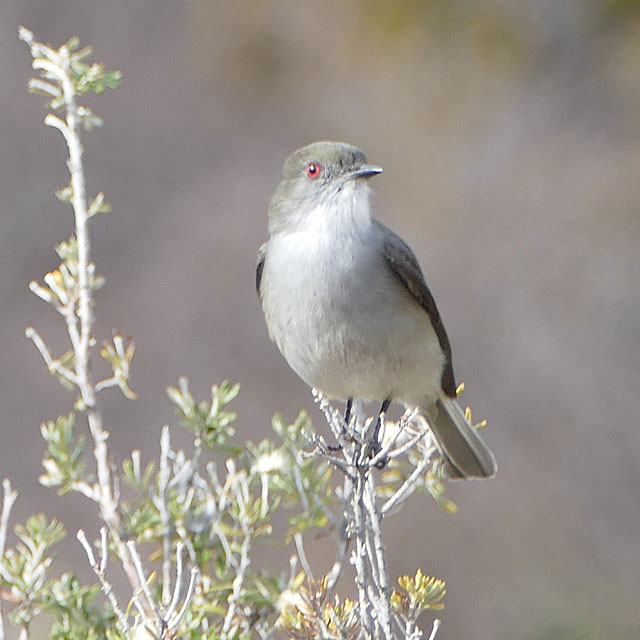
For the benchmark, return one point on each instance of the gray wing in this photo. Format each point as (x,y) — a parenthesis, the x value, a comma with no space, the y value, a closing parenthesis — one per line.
(262,252)
(405,267)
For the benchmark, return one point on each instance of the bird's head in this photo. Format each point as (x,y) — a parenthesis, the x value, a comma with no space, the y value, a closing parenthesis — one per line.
(319,179)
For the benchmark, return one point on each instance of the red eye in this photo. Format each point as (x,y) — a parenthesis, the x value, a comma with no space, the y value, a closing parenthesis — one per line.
(313,170)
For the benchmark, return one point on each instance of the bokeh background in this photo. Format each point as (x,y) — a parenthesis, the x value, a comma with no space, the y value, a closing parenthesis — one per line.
(510,137)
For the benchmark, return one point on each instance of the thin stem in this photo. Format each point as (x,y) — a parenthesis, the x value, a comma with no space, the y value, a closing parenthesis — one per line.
(81,335)
(240,489)
(363,513)
(177,590)
(238,581)
(52,364)
(163,507)
(407,487)
(173,623)
(382,580)
(434,630)
(100,571)
(401,450)
(146,589)
(303,556)
(79,202)
(359,557)
(8,499)
(343,538)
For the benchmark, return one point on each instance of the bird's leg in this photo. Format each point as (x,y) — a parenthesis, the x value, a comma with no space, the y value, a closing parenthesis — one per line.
(345,426)
(347,411)
(375,444)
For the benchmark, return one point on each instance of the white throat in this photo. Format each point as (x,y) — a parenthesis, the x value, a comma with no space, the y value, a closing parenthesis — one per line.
(341,212)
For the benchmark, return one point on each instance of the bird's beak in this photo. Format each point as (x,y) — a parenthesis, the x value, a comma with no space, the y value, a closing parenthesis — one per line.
(366,171)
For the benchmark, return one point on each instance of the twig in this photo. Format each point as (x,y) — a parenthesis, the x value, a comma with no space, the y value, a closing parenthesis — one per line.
(297,538)
(79,326)
(300,487)
(144,582)
(341,556)
(76,170)
(363,513)
(359,558)
(172,623)
(166,621)
(8,499)
(177,589)
(434,629)
(53,365)
(107,383)
(234,596)
(321,450)
(100,571)
(163,508)
(407,446)
(387,452)
(407,487)
(382,580)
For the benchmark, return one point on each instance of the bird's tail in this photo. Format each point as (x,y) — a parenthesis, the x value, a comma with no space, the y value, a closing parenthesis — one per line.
(467,454)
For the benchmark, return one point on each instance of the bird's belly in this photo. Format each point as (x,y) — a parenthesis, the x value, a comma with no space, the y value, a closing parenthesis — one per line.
(353,331)
(369,362)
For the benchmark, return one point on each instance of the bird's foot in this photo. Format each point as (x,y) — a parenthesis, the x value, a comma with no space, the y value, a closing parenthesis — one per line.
(376,448)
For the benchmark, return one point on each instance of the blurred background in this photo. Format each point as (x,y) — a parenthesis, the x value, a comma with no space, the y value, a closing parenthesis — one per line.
(510,137)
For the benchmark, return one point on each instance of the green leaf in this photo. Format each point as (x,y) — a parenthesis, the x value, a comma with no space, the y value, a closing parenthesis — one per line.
(63,464)
(211,422)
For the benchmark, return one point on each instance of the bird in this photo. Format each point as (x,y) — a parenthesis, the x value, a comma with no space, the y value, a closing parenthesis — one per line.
(346,303)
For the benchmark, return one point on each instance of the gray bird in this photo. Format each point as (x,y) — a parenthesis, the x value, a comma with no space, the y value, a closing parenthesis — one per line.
(346,302)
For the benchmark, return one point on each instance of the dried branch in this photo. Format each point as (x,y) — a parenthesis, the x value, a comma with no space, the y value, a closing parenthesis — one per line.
(8,499)
(79,321)
(297,538)
(54,365)
(162,504)
(100,569)
(240,490)
(363,511)
(434,629)
(145,590)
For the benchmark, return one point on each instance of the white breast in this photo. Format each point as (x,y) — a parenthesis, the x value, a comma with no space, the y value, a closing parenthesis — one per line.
(343,321)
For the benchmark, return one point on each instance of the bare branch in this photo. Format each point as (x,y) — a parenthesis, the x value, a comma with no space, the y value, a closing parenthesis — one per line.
(53,365)
(303,556)
(173,623)
(343,540)
(177,590)
(163,508)
(407,487)
(100,570)
(79,324)
(144,582)
(363,513)
(8,499)
(238,581)
(434,629)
